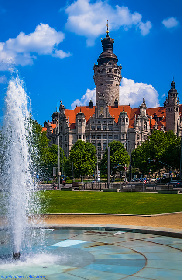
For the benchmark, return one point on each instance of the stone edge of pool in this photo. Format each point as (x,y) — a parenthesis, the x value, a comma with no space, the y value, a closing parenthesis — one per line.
(135,229)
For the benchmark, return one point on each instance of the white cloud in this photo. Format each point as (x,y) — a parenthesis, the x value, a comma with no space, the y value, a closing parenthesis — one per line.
(89,19)
(130,93)
(3,79)
(145,27)
(170,22)
(84,101)
(22,49)
(133,93)
(61,54)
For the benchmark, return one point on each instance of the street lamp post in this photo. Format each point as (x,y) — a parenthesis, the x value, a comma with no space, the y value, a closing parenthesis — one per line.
(58,156)
(108,168)
(181,161)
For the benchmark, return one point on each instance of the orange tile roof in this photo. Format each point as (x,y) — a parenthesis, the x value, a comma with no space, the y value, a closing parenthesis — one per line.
(152,123)
(159,111)
(71,114)
(44,129)
(115,112)
(53,125)
(134,111)
(161,124)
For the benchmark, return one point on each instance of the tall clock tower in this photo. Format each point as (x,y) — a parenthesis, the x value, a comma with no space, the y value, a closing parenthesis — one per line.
(172,109)
(107,74)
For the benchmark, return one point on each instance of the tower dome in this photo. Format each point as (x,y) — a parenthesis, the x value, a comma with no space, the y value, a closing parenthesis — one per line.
(107,74)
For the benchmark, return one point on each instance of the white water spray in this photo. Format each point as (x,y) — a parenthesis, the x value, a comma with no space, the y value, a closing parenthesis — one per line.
(17,173)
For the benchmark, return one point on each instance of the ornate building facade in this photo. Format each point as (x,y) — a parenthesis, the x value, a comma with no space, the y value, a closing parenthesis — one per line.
(108,121)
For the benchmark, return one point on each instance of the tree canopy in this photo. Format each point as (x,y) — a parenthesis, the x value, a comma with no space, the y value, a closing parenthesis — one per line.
(162,149)
(118,158)
(44,156)
(83,157)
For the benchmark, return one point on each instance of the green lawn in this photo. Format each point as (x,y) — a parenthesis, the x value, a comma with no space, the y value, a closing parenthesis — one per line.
(115,203)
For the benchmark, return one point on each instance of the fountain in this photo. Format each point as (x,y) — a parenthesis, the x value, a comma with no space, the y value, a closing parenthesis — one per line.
(17,165)
(29,250)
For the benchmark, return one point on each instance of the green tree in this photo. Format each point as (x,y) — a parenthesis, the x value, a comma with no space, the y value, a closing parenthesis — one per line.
(68,168)
(162,149)
(83,157)
(118,158)
(171,155)
(44,156)
(52,159)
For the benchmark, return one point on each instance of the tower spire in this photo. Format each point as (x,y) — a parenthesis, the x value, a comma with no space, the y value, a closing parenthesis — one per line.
(107,74)
(107,31)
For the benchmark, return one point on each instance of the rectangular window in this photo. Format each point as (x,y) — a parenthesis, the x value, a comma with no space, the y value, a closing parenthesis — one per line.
(110,136)
(98,136)
(104,136)
(98,127)
(110,127)
(80,137)
(93,127)
(104,127)
(93,136)
(104,146)
(99,146)
(115,136)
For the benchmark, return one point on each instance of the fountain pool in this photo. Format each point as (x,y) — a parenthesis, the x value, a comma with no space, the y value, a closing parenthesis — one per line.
(91,254)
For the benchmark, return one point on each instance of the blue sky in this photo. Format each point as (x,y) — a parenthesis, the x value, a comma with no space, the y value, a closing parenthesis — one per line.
(54,45)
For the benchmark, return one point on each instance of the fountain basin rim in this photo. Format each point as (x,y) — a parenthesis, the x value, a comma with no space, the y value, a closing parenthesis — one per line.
(128,228)
(106,214)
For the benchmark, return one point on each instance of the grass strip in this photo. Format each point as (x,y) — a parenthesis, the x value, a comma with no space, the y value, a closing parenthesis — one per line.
(114,203)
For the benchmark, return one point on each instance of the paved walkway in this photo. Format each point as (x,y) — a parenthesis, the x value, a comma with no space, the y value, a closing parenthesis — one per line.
(171,221)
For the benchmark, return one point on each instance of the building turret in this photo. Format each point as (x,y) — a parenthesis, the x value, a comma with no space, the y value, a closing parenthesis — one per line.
(123,124)
(80,126)
(107,74)
(172,109)
(143,108)
(91,104)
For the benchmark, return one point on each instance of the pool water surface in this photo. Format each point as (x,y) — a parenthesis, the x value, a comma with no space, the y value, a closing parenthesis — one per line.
(91,254)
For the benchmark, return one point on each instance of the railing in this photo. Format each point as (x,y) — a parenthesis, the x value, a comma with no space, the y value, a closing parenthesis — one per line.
(102,186)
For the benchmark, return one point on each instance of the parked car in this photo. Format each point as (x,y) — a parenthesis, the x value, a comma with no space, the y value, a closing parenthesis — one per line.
(175,183)
(135,180)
